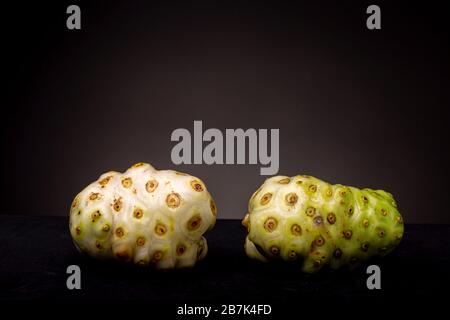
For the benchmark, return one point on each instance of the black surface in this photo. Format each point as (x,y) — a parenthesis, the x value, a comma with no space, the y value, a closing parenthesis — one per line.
(35,252)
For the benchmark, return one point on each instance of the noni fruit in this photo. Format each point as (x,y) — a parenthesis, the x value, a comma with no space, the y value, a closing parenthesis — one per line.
(145,216)
(306,219)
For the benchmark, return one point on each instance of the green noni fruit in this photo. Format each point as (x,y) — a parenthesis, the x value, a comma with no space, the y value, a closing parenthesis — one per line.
(144,216)
(306,219)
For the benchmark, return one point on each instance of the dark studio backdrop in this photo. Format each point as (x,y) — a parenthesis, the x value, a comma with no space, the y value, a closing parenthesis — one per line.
(354,106)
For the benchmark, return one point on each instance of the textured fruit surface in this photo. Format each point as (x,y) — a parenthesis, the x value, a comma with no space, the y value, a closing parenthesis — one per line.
(145,216)
(308,220)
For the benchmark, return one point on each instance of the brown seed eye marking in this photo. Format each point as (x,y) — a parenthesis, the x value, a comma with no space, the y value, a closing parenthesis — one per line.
(181,248)
(365,200)
(337,253)
(317,263)
(138,213)
(105,181)
(255,194)
(318,220)
(194,222)
(319,241)
(119,232)
(329,193)
(292,254)
(137,165)
(383,212)
(96,215)
(365,246)
(310,211)
(93,196)
(342,193)
(123,254)
(79,212)
(291,199)
(105,228)
(312,188)
(365,223)
(117,204)
(157,255)
(399,219)
(266,198)
(348,234)
(381,233)
(141,262)
(271,224)
(331,218)
(78,230)
(160,229)
(212,204)
(140,241)
(98,245)
(75,202)
(284,181)
(275,250)
(197,186)
(350,211)
(151,185)
(173,200)
(299,182)
(127,182)
(296,230)
(200,248)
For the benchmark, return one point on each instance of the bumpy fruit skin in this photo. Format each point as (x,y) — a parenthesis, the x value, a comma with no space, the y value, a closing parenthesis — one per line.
(145,216)
(306,219)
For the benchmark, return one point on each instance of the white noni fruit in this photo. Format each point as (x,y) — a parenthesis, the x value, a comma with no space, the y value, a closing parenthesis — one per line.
(144,216)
